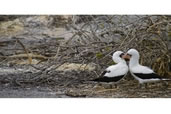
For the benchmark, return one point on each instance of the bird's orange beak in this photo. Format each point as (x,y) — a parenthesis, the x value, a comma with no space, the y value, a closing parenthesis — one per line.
(126,57)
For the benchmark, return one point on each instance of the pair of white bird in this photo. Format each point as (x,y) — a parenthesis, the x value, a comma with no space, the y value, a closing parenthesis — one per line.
(117,72)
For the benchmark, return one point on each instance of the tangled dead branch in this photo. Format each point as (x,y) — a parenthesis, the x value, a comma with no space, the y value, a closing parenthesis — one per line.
(98,37)
(95,38)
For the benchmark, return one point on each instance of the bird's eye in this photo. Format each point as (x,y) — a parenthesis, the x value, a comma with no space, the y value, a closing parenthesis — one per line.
(108,71)
(129,55)
(121,55)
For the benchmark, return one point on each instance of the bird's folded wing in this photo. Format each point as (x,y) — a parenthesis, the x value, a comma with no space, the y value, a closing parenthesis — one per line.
(116,71)
(147,76)
(141,69)
(108,79)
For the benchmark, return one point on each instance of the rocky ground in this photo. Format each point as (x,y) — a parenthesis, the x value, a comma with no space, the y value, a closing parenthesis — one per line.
(22,83)
(27,46)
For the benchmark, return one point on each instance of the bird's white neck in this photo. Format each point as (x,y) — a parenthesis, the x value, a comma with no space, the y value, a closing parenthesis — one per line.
(122,62)
(119,60)
(134,61)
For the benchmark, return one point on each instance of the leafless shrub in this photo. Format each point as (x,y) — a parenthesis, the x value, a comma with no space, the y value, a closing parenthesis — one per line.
(95,38)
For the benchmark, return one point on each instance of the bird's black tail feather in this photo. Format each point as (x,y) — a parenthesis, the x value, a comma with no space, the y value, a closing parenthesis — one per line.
(108,79)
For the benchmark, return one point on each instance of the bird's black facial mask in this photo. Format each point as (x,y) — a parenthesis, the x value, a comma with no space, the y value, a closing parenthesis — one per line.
(127,57)
(121,55)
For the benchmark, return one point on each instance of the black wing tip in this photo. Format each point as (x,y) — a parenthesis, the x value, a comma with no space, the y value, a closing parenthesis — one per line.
(108,79)
(148,76)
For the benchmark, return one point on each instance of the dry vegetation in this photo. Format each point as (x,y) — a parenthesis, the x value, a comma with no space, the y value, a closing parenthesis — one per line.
(92,41)
(97,37)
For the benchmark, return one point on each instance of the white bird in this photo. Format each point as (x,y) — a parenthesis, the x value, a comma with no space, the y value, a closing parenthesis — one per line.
(116,72)
(141,73)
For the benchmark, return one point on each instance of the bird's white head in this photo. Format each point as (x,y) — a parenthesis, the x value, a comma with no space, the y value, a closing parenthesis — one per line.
(118,57)
(132,55)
